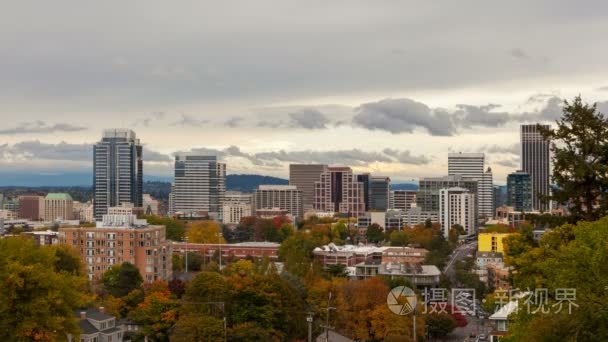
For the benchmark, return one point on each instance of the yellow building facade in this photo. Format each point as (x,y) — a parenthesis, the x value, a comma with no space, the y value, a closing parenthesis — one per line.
(492,242)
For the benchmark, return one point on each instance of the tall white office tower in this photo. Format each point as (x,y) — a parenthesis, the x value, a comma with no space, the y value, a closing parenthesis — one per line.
(471,165)
(117,170)
(535,162)
(199,186)
(457,206)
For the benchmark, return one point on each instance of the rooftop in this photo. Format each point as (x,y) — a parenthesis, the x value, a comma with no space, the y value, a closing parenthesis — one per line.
(58,196)
(277,187)
(361,249)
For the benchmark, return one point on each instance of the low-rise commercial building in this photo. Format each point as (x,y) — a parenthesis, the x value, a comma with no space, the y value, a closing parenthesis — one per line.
(492,242)
(236,206)
(44,238)
(397,219)
(239,250)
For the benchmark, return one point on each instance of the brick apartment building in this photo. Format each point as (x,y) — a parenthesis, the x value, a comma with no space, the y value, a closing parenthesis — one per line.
(121,238)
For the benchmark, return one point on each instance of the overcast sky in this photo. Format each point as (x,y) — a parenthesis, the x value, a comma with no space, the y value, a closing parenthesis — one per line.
(388,87)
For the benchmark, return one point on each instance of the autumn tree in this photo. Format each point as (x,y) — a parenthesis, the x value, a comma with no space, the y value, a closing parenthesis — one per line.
(41,289)
(204,231)
(157,313)
(579,146)
(358,305)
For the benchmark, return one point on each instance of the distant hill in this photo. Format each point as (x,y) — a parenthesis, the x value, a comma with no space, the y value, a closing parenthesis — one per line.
(248,183)
(404,186)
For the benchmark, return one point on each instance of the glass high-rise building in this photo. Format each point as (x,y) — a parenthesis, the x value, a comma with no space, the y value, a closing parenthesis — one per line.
(365,179)
(304,176)
(535,161)
(199,186)
(379,193)
(117,171)
(519,191)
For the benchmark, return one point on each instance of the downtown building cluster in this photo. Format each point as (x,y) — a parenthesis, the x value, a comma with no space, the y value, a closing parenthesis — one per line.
(465,196)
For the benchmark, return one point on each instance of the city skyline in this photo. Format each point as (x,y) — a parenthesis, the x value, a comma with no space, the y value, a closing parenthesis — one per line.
(387,88)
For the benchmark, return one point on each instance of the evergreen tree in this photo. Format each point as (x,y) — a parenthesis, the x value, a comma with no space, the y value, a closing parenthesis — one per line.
(580,160)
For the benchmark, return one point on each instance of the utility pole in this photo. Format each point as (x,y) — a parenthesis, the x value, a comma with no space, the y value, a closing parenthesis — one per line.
(309,320)
(414,324)
(185,238)
(327,326)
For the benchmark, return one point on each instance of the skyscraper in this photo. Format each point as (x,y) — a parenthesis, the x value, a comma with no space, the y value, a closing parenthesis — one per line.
(199,185)
(403,199)
(118,170)
(285,197)
(519,191)
(304,176)
(338,190)
(471,165)
(379,193)
(535,162)
(457,206)
(427,197)
(365,179)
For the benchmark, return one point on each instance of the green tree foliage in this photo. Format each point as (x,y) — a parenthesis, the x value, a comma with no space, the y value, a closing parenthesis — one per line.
(68,260)
(580,159)
(374,233)
(176,229)
(41,289)
(255,300)
(571,256)
(466,278)
(122,279)
(399,238)
(439,325)
(338,270)
(177,263)
(296,251)
(195,262)
(439,250)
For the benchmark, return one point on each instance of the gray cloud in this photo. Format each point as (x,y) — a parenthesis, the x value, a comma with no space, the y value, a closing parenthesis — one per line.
(234,121)
(406,157)
(518,53)
(309,118)
(468,116)
(187,120)
(405,115)
(34,149)
(41,127)
(511,163)
(154,156)
(511,149)
(146,121)
(402,116)
(603,88)
(353,157)
(270,124)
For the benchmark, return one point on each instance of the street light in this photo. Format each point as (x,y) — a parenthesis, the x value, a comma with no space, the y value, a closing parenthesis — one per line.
(185,239)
